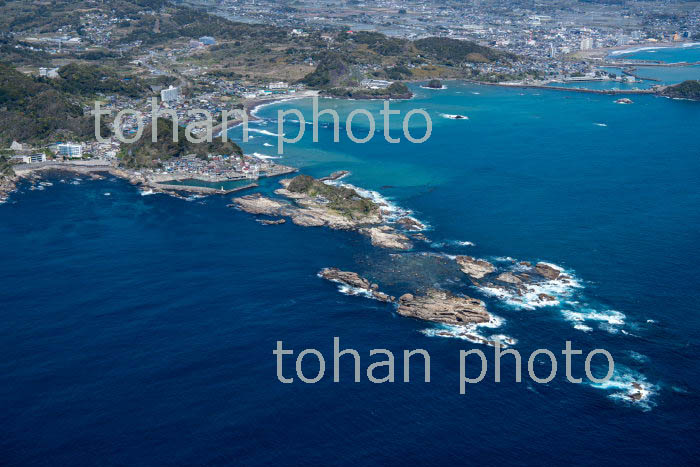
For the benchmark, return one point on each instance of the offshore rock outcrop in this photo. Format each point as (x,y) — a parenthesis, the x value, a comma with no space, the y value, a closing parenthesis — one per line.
(434,305)
(442,306)
(547,270)
(317,204)
(356,282)
(474,268)
(258,204)
(387,237)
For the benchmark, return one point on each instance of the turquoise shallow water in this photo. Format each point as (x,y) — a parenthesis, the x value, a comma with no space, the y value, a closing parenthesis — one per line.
(684,53)
(140,329)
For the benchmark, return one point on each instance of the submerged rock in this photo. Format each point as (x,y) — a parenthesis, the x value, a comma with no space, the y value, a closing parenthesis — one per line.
(271,221)
(638,392)
(475,268)
(335,175)
(443,307)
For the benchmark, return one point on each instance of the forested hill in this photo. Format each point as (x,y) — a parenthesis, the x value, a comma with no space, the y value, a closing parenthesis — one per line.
(686,90)
(34,111)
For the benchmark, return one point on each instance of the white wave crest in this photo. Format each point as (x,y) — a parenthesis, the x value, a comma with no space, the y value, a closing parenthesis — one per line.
(455,116)
(264,157)
(471,333)
(263,132)
(391,211)
(629,387)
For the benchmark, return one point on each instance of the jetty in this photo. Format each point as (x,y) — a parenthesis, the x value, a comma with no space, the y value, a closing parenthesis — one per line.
(204,190)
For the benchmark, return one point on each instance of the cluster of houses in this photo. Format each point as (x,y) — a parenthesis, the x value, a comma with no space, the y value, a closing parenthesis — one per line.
(32,156)
(226,166)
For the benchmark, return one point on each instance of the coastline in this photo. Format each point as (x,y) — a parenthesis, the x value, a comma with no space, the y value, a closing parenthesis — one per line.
(253,106)
(156,184)
(605,52)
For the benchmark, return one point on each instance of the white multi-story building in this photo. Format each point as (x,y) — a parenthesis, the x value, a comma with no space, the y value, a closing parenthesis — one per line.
(375,83)
(48,72)
(73,151)
(586,43)
(170,94)
(278,85)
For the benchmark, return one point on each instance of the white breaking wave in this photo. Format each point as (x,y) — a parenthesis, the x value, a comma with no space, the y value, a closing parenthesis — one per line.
(508,259)
(257,108)
(608,320)
(600,124)
(629,387)
(451,243)
(638,49)
(470,332)
(460,243)
(455,116)
(391,211)
(268,145)
(349,290)
(264,157)
(263,132)
(638,356)
(535,295)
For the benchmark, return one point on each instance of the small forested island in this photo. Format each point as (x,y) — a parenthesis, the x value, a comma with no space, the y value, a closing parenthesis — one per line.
(686,90)
(393,91)
(434,84)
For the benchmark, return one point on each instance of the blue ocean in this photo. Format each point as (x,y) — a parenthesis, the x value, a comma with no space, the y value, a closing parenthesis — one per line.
(139,330)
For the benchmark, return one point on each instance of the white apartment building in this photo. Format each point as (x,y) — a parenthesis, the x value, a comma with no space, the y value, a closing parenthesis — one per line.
(70,150)
(170,94)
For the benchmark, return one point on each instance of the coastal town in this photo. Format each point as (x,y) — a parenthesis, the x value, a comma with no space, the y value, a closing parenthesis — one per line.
(154,97)
(524,46)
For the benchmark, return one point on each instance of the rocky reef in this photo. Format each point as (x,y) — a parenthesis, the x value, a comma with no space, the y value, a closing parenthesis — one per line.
(434,305)
(442,306)
(271,221)
(313,203)
(387,237)
(356,282)
(474,268)
(519,283)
